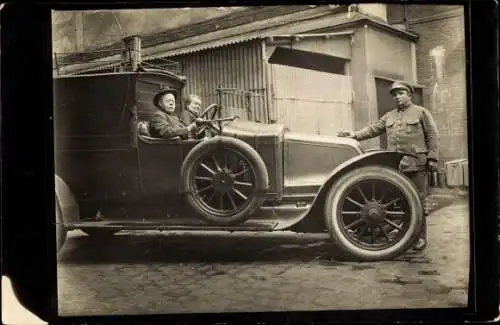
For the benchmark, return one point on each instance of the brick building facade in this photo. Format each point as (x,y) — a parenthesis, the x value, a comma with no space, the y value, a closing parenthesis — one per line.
(441,64)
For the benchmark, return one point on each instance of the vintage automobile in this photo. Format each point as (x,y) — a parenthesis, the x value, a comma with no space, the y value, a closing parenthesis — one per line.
(111,175)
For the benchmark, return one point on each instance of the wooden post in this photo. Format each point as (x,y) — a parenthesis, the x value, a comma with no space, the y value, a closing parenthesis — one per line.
(405,17)
(268,82)
(219,99)
(56,64)
(248,104)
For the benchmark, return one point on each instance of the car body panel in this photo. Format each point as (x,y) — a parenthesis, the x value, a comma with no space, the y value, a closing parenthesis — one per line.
(309,159)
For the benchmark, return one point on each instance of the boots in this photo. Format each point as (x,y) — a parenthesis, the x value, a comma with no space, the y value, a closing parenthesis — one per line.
(421,243)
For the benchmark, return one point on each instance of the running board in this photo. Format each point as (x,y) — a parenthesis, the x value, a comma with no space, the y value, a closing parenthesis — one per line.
(175,224)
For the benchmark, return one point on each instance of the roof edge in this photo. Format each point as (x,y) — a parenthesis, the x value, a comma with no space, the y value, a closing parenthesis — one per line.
(153,53)
(153,39)
(376,24)
(313,11)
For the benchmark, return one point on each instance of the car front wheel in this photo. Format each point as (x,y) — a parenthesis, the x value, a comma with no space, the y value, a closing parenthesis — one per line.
(224,180)
(373,213)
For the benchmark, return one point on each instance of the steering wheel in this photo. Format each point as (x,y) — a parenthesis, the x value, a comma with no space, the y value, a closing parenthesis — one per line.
(209,114)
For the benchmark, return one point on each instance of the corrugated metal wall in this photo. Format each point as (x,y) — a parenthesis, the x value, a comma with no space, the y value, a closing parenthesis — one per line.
(238,66)
(312,102)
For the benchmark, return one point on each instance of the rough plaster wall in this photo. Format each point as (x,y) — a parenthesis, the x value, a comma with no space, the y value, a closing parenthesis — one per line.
(363,107)
(389,55)
(377,10)
(105,27)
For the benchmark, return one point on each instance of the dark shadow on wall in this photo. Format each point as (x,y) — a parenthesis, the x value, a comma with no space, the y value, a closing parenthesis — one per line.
(308,60)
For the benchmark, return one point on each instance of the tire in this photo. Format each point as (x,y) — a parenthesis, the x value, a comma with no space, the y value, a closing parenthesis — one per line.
(61,232)
(225,182)
(359,185)
(99,232)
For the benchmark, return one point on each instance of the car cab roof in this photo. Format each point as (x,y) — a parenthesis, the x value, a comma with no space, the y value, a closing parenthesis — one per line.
(142,71)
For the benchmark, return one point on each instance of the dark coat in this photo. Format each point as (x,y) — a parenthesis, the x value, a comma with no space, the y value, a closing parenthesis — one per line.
(411,130)
(165,125)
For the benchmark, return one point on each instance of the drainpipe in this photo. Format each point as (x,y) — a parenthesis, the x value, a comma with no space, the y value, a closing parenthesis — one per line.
(405,17)
(131,55)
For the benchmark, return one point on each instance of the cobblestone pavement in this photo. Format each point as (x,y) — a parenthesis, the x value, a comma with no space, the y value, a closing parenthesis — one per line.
(153,272)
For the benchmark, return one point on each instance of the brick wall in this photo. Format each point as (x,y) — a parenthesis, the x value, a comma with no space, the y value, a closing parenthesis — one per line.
(395,12)
(441,26)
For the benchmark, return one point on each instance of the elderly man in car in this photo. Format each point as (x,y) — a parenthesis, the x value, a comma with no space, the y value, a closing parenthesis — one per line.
(164,123)
(410,128)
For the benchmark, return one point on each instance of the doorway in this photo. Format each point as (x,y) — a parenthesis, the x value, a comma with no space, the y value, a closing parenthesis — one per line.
(385,102)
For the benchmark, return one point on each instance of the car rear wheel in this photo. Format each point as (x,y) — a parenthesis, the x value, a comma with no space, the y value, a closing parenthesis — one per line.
(61,231)
(374,213)
(224,180)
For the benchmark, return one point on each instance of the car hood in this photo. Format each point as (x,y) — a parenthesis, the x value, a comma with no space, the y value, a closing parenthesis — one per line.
(279,131)
(324,139)
(251,129)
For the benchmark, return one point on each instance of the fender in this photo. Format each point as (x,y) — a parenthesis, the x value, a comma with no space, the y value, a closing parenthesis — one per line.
(375,157)
(70,210)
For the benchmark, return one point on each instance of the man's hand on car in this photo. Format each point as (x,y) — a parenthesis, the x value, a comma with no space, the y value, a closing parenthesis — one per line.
(345,134)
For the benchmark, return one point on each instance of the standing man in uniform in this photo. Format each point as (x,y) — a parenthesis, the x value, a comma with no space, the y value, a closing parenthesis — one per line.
(410,128)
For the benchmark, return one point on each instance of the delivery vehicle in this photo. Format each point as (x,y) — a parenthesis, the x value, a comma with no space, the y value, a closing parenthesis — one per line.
(111,175)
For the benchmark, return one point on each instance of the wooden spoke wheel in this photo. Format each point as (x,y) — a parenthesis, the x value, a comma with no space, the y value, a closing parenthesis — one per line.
(224,179)
(374,213)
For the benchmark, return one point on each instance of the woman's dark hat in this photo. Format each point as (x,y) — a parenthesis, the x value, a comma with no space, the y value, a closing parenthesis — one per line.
(161,93)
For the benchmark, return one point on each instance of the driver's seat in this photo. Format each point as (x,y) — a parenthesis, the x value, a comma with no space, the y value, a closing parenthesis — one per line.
(143,128)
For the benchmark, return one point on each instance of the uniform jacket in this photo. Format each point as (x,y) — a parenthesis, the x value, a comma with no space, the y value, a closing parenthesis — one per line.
(164,125)
(411,130)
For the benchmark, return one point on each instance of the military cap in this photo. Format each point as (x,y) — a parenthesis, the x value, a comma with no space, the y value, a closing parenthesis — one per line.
(161,93)
(401,85)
